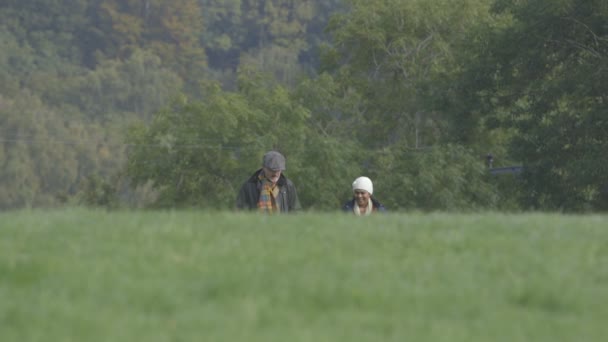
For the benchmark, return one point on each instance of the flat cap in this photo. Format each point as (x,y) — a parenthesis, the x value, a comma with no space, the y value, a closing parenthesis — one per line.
(274,161)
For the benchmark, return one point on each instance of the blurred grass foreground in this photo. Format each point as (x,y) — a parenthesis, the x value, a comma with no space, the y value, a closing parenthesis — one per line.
(86,275)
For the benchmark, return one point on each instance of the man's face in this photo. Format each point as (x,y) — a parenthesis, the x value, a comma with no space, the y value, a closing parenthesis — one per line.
(272,175)
(362,197)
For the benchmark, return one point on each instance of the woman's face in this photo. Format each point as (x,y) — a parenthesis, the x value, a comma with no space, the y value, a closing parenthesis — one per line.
(362,197)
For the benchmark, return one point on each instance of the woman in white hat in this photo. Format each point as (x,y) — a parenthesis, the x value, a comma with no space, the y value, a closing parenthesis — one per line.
(363,203)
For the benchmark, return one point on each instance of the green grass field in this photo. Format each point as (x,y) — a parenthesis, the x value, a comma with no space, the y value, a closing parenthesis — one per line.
(85,275)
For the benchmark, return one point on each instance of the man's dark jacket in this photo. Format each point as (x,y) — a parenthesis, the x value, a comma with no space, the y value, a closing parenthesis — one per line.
(249,195)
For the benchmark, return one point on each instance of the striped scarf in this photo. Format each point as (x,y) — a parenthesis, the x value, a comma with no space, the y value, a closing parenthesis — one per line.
(267,202)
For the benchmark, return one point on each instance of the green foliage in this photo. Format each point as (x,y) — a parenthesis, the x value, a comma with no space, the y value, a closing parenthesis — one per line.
(270,35)
(53,28)
(523,80)
(98,192)
(168,29)
(447,177)
(277,60)
(336,109)
(391,52)
(139,85)
(10,68)
(542,77)
(333,156)
(46,157)
(34,166)
(326,171)
(224,33)
(197,153)
(22,66)
(316,36)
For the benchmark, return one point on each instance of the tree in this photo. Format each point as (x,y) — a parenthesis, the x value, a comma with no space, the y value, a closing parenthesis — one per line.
(135,87)
(392,53)
(197,153)
(447,177)
(169,29)
(543,76)
(44,157)
(53,28)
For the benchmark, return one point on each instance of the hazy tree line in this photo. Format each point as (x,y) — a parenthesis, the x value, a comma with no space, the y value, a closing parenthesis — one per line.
(171,103)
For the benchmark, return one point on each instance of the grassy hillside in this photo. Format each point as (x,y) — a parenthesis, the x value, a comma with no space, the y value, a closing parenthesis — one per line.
(83,275)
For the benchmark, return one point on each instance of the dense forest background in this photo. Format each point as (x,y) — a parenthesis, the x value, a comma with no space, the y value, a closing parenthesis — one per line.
(172,103)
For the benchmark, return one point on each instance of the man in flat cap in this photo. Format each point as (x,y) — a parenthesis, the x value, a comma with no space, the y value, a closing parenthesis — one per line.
(268,190)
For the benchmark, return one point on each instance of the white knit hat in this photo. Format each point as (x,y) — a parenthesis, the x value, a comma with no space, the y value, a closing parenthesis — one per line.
(363,183)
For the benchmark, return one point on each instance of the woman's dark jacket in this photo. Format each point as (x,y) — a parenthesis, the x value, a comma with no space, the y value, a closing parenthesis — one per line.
(249,195)
(376,206)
